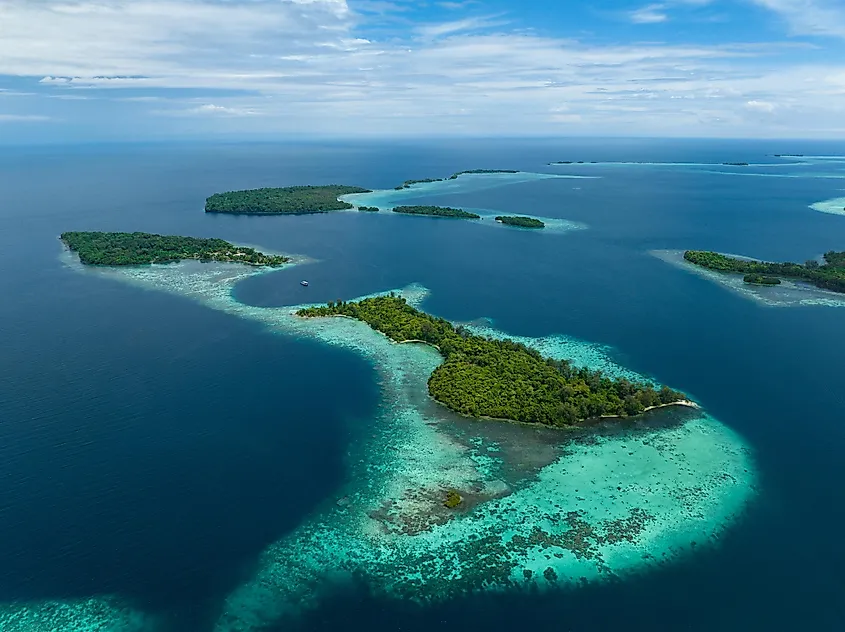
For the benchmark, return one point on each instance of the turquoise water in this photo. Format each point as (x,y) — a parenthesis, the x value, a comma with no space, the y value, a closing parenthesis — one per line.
(180,453)
(599,511)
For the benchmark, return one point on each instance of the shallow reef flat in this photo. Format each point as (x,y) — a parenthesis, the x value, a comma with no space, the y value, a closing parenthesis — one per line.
(605,505)
(387,199)
(84,615)
(834,206)
(787,294)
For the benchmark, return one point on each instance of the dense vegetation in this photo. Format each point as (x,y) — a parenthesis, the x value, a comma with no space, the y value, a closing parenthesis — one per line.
(435,211)
(301,199)
(369,209)
(760,279)
(829,275)
(520,220)
(454,176)
(483,377)
(123,249)
(409,183)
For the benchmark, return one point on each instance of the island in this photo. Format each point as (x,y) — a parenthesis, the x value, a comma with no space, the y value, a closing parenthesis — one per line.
(455,176)
(829,275)
(369,209)
(760,279)
(735,164)
(127,249)
(521,221)
(282,201)
(409,183)
(435,211)
(499,378)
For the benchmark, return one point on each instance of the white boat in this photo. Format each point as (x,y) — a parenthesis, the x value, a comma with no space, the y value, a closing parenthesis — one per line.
(304,283)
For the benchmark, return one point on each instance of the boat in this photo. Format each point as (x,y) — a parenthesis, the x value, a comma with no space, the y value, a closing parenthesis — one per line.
(304,283)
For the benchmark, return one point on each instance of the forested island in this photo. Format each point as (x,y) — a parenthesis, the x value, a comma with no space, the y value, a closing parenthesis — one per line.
(280,201)
(436,211)
(125,249)
(829,275)
(520,220)
(409,183)
(369,209)
(760,279)
(501,379)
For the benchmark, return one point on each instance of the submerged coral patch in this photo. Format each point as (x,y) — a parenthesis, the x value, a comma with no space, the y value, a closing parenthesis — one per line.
(835,206)
(604,505)
(84,615)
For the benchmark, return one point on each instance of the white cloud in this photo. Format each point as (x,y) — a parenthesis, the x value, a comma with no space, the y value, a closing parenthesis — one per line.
(22,118)
(810,17)
(219,110)
(457,26)
(760,106)
(306,66)
(649,14)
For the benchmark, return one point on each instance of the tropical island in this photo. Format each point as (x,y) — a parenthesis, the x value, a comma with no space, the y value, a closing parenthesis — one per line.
(369,209)
(760,279)
(520,220)
(502,379)
(435,211)
(829,275)
(127,249)
(409,183)
(281,201)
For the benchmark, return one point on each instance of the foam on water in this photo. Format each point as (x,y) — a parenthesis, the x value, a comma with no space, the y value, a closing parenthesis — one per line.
(787,294)
(610,506)
(387,199)
(834,206)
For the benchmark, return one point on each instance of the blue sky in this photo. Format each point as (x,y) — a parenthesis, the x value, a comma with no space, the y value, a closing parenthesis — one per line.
(156,69)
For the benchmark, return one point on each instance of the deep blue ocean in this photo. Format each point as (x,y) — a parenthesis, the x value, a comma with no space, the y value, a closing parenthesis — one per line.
(152,448)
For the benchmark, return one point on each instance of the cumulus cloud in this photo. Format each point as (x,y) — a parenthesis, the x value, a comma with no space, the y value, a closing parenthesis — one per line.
(760,106)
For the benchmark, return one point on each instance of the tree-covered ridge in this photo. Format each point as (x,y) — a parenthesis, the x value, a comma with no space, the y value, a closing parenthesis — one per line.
(455,176)
(299,199)
(829,275)
(521,221)
(502,379)
(435,211)
(409,183)
(124,249)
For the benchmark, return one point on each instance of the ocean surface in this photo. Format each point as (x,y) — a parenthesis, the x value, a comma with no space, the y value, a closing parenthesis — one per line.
(152,448)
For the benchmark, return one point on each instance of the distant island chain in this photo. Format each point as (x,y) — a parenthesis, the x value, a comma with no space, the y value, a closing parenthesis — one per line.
(299,200)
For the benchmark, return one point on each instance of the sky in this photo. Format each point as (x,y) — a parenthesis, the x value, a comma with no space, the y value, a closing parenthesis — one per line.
(76,70)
